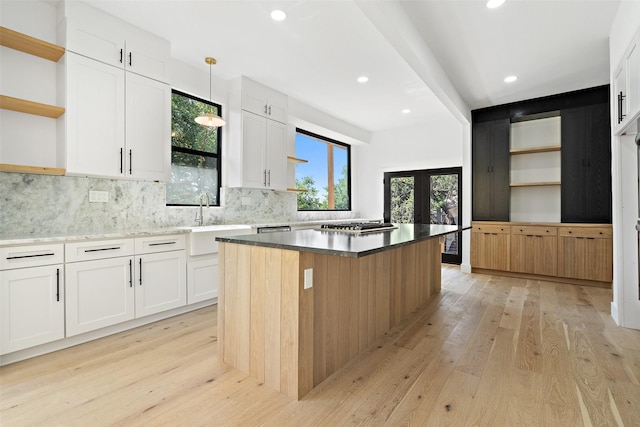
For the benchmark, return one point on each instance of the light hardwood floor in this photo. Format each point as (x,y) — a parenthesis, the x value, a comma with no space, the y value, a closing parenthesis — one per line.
(486,351)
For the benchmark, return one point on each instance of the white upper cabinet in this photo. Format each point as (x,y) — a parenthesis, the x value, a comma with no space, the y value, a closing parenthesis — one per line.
(95,118)
(118,124)
(148,129)
(264,154)
(626,88)
(257,135)
(263,101)
(98,35)
(119,121)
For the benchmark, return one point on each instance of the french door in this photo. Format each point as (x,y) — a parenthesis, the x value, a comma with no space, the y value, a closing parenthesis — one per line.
(429,196)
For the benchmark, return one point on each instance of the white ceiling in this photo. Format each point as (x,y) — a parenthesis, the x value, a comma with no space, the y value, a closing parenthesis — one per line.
(316,55)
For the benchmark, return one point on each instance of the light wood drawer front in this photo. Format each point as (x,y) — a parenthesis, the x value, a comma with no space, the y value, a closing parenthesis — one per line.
(31,256)
(533,230)
(482,228)
(586,232)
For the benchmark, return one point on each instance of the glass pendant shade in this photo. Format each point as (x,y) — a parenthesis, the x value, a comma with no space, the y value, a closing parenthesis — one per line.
(209,119)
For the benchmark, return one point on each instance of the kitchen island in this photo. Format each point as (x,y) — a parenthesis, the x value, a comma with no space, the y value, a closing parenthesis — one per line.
(294,307)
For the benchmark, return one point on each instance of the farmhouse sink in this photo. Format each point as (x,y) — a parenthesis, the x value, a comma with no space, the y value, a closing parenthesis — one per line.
(202,239)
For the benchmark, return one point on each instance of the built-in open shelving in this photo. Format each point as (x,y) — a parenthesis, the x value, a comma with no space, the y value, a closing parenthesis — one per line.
(534,184)
(296,190)
(532,150)
(31,45)
(30,107)
(292,159)
(36,170)
(42,49)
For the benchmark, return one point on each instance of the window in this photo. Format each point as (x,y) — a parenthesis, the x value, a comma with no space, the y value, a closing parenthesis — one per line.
(195,153)
(326,177)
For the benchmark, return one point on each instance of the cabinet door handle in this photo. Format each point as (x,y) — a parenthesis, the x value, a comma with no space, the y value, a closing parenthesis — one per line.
(130,163)
(130,273)
(121,52)
(269,109)
(57,284)
(264,177)
(265,108)
(140,271)
(269,178)
(129,59)
(121,158)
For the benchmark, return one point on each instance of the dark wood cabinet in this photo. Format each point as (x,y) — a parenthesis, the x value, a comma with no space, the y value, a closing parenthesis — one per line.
(490,164)
(586,164)
(585,153)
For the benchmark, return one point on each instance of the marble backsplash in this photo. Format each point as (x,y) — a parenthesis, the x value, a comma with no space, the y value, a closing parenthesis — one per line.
(33,204)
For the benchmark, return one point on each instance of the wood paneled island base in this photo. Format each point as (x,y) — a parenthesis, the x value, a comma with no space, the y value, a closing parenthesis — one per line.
(293,338)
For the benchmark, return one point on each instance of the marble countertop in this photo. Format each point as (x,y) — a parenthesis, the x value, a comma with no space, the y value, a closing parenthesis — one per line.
(62,237)
(345,244)
(53,237)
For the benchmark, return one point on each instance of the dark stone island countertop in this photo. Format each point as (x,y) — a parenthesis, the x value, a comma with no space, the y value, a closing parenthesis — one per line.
(345,244)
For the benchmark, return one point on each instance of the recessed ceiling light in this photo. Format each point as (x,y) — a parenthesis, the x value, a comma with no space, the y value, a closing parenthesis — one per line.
(278,15)
(363,79)
(406,111)
(492,4)
(510,79)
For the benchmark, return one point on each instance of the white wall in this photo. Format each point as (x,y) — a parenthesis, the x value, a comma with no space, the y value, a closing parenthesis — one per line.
(625,308)
(435,144)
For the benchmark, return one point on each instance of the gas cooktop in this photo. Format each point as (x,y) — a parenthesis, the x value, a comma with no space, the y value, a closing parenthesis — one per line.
(359,227)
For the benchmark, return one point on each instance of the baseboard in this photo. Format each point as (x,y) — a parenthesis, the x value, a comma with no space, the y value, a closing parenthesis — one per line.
(568,280)
(465,268)
(614,312)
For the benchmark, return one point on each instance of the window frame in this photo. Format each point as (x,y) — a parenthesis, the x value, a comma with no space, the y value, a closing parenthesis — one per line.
(330,141)
(217,156)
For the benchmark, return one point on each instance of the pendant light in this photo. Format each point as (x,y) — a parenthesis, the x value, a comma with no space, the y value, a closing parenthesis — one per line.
(210,119)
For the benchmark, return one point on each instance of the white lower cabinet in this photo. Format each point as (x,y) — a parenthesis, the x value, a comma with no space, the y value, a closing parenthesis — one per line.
(160,282)
(99,293)
(109,282)
(31,298)
(202,278)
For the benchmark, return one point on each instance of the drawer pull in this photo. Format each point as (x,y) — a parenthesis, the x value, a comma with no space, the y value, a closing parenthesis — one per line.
(28,256)
(102,249)
(162,244)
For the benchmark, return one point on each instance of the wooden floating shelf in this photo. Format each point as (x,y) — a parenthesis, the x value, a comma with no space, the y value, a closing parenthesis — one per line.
(546,149)
(296,190)
(533,184)
(30,107)
(36,170)
(27,44)
(292,159)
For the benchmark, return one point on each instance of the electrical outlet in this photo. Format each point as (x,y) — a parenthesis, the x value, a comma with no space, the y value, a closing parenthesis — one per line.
(98,196)
(308,278)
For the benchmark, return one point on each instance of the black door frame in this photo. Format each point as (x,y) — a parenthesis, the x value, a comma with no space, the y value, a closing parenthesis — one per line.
(422,178)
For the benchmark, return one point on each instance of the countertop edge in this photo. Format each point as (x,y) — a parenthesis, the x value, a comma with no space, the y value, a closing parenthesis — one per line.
(334,252)
(74,237)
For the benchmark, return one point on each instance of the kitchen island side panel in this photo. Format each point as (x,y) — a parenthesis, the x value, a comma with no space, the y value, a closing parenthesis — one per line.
(294,338)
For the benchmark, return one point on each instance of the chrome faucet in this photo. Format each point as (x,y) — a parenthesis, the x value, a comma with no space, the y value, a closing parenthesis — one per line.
(204,197)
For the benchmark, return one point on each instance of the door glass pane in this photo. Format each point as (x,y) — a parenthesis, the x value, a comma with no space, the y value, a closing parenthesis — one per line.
(443,207)
(402,204)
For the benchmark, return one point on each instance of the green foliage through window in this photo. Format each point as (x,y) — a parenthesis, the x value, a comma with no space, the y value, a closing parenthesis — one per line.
(195,153)
(325,178)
